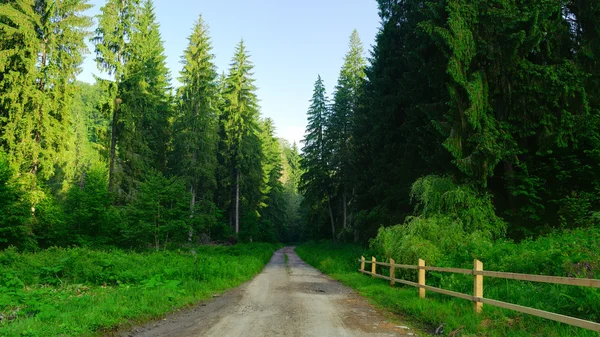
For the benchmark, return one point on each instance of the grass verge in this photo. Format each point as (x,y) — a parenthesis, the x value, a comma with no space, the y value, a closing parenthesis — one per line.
(83,292)
(341,263)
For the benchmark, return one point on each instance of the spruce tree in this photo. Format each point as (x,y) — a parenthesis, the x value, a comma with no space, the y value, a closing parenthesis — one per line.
(196,122)
(272,208)
(42,44)
(315,182)
(111,40)
(340,126)
(146,103)
(241,145)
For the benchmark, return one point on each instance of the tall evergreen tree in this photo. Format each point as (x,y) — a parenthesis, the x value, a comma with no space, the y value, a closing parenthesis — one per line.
(272,208)
(196,123)
(241,145)
(115,28)
(42,44)
(315,182)
(340,126)
(146,103)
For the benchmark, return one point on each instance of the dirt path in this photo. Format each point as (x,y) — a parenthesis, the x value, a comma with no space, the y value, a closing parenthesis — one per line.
(286,299)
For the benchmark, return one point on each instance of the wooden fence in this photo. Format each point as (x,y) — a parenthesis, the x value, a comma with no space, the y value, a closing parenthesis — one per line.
(477,297)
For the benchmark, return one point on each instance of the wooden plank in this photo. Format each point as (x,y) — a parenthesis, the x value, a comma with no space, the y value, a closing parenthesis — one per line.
(408,283)
(544,314)
(406,266)
(448,292)
(421,278)
(583,282)
(382,264)
(377,275)
(450,270)
(373,266)
(477,285)
(392,272)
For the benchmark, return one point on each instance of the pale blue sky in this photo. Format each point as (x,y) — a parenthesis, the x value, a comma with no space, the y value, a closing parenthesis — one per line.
(290,42)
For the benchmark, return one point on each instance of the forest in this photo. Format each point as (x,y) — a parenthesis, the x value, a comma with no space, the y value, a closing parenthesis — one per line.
(470,129)
(132,161)
(487,106)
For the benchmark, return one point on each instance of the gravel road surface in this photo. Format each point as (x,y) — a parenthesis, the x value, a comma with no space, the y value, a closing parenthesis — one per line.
(286,299)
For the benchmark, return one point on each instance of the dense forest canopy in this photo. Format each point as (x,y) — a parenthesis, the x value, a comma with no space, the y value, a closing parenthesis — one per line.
(481,114)
(130,160)
(492,97)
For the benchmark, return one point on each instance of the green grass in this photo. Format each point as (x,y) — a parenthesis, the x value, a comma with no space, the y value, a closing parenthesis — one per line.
(341,263)
(83,292)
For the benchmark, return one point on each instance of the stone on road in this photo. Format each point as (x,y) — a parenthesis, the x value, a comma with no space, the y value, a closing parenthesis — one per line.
(286,299)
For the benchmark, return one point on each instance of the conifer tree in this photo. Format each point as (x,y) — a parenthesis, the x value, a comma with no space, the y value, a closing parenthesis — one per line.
(196,123)
(241,146)
(115,28)
(42,44)
(146,103)
(272,208)
(315,182)
(341,124)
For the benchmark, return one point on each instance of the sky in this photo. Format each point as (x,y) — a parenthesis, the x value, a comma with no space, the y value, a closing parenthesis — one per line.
(290,43)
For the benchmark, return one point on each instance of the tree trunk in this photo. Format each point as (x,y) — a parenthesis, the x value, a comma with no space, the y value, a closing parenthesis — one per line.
(113,147)
(345,216)
(82,180)
(331,218)
(237,201)
(192,207)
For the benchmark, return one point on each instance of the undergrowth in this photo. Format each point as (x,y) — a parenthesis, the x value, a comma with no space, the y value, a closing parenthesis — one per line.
(83,292)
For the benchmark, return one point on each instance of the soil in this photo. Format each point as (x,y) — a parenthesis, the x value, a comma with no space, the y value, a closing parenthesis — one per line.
(286,299)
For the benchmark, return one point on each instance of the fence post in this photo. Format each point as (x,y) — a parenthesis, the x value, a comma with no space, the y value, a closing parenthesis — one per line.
(373,266)
(392,272)
(421,278)
(477,285)
(362,264)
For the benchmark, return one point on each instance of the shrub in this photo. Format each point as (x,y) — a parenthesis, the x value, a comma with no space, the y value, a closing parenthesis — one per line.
(449,217)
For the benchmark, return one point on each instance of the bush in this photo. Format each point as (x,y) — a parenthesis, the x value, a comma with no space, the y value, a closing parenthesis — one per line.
(14,213)
(449,218)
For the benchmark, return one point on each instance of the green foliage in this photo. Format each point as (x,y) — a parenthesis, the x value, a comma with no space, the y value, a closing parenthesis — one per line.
(145,110)
(448,219)
(501,96)
(79,292)
(159,214)
(90,218)
(273,207)
(14,215)
(240,148)
(315,183)
(41,47)
(339,127)
(195,127)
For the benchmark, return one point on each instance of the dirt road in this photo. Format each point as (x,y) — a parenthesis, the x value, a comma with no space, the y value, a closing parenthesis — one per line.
(286,299)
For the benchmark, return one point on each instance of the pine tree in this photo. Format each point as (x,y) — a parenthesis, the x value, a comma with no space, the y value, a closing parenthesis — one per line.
(241,146)
(146,103)
(272,208)
(315,182)
(42,44)
(341,124)
(115,28)
(196,123)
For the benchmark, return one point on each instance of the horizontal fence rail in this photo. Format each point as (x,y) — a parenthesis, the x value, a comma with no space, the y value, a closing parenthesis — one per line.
(478,276)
